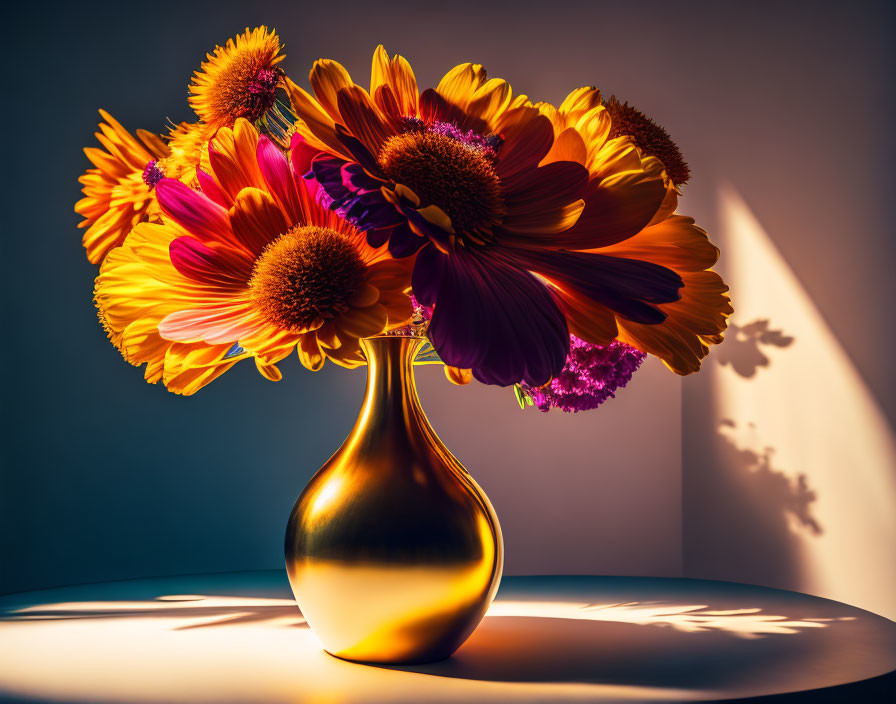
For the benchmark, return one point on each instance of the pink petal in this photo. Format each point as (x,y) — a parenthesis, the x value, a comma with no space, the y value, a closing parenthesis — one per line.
(215,325)
(277,174)
(195,212)
(218,266)
(211,189)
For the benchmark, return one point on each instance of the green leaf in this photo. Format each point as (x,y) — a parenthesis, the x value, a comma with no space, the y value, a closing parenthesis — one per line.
(521,398)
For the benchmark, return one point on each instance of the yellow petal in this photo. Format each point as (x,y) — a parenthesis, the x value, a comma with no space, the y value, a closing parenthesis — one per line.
(399,76)
(580,101)
(438,217)
(490,100)
(458,84)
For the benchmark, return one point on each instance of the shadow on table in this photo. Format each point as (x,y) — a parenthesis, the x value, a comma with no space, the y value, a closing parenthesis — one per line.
(608,650)
(200,611)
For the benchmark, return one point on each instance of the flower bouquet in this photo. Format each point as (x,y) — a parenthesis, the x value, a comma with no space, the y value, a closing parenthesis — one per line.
(519,243)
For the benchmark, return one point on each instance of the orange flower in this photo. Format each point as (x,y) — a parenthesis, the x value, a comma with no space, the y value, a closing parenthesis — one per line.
(615,153)
(116,196)
(239,79)
(490,188)
(249,266)
(118,192)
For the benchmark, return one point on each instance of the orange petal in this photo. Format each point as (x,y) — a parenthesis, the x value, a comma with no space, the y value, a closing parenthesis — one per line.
(233,158)
(693,323)
(587,319)
(309,352)
(363,118)
(256,219)
(568,146)
(190,381)
(676,243)
(315,124)
(268,371)
(363,322)
(457,376)
(327,79)
(365,296)
(528,137)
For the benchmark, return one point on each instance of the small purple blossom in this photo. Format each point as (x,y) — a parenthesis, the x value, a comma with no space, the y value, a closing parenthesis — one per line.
(591,375)
(421,311)
(152,174)
(488,144)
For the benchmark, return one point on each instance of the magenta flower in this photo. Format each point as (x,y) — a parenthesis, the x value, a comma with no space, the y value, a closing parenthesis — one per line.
(591,375)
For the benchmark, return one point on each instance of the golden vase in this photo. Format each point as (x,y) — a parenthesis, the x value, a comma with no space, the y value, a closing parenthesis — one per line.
(393,551)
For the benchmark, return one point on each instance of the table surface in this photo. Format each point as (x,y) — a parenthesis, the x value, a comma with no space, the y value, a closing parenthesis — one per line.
(240,638)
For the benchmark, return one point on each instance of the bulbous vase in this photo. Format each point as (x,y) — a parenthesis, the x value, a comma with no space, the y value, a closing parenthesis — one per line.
(393,551)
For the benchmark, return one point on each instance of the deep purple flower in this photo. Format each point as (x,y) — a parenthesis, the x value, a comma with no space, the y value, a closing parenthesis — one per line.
(493,228)
(591,375)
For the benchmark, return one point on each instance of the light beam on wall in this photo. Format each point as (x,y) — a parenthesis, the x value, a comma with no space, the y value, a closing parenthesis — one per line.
(801,395)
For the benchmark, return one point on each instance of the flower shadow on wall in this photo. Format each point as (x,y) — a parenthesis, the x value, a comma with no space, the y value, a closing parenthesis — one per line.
(792,497)
(760,513)
(744,346)
(814,406)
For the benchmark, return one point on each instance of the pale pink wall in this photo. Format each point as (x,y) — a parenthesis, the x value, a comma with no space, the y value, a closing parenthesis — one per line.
(586,493)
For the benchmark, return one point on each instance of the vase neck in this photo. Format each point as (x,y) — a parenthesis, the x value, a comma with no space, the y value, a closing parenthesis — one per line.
(391,395)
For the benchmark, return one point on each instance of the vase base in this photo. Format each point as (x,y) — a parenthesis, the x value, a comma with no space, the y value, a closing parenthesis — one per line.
(422,660)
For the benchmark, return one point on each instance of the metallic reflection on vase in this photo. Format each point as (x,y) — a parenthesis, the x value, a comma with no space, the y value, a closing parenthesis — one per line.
(393,551)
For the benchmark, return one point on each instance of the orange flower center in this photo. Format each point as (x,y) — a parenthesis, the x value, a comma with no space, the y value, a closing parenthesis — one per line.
(457,177)
(306,275)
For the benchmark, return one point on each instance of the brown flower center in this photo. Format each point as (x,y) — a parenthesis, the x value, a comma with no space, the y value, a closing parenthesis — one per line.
(649,137)
(306,274)
(457,177)
(247,88)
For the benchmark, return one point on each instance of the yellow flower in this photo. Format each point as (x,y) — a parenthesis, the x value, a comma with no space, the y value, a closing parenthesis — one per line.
(116,196)
(134,292)
(239,79)
(188,151)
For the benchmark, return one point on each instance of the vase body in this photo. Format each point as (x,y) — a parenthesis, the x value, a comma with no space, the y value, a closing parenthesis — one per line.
(393,551)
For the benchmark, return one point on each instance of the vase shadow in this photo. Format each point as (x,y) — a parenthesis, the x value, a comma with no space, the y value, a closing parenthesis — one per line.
(537,649)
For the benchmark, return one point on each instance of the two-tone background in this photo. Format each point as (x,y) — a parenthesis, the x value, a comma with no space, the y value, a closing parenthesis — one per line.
(776,465)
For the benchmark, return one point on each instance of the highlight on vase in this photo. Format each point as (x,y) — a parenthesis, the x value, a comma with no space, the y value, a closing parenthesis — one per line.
(533,246)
